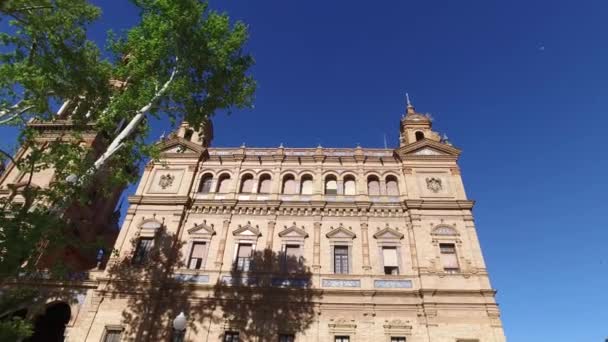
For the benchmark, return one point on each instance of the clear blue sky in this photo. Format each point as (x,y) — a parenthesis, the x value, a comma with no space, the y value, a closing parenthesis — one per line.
(520,86)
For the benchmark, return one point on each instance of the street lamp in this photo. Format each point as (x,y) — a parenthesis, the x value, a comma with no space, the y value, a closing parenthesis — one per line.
(179,327)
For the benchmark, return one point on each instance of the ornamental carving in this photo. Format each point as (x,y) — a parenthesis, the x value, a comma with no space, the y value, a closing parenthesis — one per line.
(166,181)
(434,184)
(445,231)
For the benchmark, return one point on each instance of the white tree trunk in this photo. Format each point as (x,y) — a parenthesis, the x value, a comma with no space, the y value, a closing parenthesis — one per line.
(118,142)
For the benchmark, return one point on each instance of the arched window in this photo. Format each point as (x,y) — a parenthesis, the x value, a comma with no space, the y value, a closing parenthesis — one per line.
(264,187)
(188,134)
(246,184)
(223,184)
(392,188)
(373,186)
(306,188)
(331,185)
(289,185)
(349,185)
(206,182)
(419,136)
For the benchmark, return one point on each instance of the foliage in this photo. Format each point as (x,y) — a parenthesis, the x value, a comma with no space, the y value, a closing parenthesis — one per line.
(181,61)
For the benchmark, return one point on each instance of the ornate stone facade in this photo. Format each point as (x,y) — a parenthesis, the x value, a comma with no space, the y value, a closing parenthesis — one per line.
(315,244)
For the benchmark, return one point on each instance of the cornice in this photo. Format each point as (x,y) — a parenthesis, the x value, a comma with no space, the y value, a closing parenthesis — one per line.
(439,204)
(164,200)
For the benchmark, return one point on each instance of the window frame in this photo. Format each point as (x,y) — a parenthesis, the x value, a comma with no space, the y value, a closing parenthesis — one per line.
(346,179)
(205,177)
(138,259)
(347,254)
(326,180)
(369,180)
(454,251)
(232,335)
(203,257)
(112,328)
(250,258)
(397,250)
(289,337)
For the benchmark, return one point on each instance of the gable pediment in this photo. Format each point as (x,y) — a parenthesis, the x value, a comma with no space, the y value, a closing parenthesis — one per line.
(179,145)
(388,233)
(340,233)
(247,231)
(293,232)
(202,229)
(426,147)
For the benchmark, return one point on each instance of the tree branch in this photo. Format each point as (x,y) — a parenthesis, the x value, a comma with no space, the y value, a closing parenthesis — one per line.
(118,142)
(15,115)
(9,157)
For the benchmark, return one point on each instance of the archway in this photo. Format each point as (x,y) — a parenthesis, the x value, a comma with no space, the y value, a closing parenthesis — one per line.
(50,326)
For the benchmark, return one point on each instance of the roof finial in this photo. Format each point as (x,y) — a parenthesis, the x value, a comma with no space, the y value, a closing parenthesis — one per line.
(407,98)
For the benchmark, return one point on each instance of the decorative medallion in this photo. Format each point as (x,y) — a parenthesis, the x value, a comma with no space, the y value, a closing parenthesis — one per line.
(434,184)
(167,180)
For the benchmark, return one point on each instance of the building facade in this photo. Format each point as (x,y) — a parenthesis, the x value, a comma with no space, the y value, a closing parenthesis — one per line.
(295,244)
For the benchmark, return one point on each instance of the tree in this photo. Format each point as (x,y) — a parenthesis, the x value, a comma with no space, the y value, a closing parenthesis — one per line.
(181,60)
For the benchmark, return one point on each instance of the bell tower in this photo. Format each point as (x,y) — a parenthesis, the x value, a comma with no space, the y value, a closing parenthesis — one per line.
(415,126)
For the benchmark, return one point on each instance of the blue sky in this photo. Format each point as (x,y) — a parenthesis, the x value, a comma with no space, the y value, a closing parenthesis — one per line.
(520,86)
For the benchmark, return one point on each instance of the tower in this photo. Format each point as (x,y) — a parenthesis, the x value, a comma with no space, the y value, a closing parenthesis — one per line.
(94,223)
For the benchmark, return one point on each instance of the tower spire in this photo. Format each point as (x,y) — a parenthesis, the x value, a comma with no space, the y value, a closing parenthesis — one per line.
(410,108)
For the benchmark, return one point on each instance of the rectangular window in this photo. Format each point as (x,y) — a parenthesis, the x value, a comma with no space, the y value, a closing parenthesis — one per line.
(197,253)
(391,265)
(291,258)
(112,335)
(397,339)
(231,336)
(287,338)
(342,339)
(142,250)
(341,259)
(243,258)
(448,257)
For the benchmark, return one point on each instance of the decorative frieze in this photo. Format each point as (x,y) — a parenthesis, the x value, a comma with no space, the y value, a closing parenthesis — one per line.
(341,283)
(392,284)
(191,278)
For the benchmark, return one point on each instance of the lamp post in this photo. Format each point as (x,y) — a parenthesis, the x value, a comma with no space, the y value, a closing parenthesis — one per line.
(179,327)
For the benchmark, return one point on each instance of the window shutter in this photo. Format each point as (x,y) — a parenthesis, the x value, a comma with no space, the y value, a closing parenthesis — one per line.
(293,251)
(198,249)
(244,251)
(265,186)
(290,187)
(391,188)
(349,187)
(224,185)
(448,255)
(247,186)
(307,187)
(373,188)
(390,256)
(331,187)
(206,185)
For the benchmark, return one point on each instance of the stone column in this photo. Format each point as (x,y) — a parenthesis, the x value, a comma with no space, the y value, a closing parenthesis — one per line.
(270,239)
(413,224)
(222,247)
(365,246)
(316,259)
